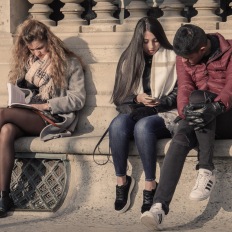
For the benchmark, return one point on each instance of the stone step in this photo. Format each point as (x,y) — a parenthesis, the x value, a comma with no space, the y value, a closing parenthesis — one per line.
(6,39)
(96,47)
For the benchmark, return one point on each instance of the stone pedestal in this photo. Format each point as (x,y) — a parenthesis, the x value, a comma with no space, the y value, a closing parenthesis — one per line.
(72,11)
(104,21)
(137,10)
(41,11)
(206,17)
(172,18)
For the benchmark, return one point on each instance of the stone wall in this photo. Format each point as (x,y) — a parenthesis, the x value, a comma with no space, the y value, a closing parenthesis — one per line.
(12,12)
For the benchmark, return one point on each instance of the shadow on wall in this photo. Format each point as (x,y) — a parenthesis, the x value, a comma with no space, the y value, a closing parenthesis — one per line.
(80,47)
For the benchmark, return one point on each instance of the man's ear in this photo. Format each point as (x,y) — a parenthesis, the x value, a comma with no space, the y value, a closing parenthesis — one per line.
(203,49)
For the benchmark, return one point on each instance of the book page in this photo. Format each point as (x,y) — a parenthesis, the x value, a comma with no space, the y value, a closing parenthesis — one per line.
(25,106)
(16,98)
(15,95)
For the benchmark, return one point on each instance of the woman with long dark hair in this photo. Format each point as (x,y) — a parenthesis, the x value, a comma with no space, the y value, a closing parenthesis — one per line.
(145,95)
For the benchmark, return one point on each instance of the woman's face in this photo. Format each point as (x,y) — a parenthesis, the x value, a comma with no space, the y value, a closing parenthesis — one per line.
(38,48)
(150,43)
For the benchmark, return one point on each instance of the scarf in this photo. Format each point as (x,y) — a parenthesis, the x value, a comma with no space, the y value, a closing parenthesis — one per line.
(162,82)
(38,74)
(163,73)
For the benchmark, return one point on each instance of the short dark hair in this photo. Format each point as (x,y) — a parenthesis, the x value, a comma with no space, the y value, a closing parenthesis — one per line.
(188,39)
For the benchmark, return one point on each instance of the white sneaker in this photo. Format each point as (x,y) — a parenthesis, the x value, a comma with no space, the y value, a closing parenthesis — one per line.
(204,185)
(153,218)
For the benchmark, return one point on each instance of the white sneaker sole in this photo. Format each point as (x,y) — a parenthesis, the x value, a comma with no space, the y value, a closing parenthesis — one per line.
(198,198)
(150,221)
(126,207)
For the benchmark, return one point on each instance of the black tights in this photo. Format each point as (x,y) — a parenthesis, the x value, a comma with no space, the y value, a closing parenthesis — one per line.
(14,123)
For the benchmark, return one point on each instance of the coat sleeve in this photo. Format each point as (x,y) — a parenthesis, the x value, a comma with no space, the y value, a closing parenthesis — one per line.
(185,86)
(168,102)
(75,95)
(225,95)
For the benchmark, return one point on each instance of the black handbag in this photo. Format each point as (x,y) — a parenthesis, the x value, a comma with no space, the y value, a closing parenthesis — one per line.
(142,112)
(128,108)
(136,111)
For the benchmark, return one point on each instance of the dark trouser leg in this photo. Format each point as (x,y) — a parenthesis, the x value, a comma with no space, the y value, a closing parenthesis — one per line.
(183,141)
(206,136)
(206,140)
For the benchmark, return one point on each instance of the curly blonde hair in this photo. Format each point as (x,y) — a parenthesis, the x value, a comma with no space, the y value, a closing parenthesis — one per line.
(29,31)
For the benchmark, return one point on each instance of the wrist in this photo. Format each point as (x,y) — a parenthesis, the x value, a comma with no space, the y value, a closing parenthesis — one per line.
(135,99)
(221,107)
(48,107)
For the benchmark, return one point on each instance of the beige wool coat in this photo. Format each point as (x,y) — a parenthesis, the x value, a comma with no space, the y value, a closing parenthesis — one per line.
(67,103)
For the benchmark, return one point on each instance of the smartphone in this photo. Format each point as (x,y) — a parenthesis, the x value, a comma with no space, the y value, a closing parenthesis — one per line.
(151,98)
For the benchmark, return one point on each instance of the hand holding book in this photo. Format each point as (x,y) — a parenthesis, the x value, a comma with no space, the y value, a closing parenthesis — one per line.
(16,98)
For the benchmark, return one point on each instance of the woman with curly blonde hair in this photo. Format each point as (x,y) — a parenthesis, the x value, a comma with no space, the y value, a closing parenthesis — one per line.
(52,78)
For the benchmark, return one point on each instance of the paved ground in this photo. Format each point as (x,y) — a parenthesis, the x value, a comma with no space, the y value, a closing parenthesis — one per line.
(89,204)
(72,221)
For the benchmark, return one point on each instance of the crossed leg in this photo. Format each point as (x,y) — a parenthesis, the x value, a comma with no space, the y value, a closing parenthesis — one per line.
(14,123)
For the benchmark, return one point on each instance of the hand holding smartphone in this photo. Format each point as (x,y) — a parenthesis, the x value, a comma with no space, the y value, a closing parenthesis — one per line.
(153,99)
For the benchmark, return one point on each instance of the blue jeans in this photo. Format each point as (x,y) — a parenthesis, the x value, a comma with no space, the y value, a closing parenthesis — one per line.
(145,132)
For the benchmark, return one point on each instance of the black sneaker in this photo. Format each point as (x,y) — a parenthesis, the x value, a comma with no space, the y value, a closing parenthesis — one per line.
(148,197)
(122,202)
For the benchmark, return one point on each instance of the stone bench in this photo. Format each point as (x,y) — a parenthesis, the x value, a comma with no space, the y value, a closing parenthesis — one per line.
(57,174)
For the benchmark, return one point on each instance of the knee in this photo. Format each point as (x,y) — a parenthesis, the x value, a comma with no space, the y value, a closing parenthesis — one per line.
(181,138)
(201,96)
(7,131)
(143,129)
(118,124)
(141,126)
(148,125)
(184,140)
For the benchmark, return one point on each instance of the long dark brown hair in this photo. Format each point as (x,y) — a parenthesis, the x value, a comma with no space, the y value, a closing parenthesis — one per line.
(131,63)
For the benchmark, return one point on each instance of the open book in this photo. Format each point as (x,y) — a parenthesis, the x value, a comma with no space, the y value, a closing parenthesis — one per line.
(16,97)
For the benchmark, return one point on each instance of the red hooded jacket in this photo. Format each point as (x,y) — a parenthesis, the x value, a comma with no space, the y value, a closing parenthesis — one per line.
(214,76)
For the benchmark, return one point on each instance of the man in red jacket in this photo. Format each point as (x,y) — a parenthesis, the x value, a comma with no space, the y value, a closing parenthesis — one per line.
(204,71)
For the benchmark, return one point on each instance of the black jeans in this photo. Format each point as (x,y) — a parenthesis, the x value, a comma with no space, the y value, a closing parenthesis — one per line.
(183,141)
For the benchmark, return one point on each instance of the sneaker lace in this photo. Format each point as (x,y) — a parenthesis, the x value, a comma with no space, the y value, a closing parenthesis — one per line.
(202,180)
(120,193)
(148,197)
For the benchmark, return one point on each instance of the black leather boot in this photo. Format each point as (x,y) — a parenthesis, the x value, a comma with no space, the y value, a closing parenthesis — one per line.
(5,203)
